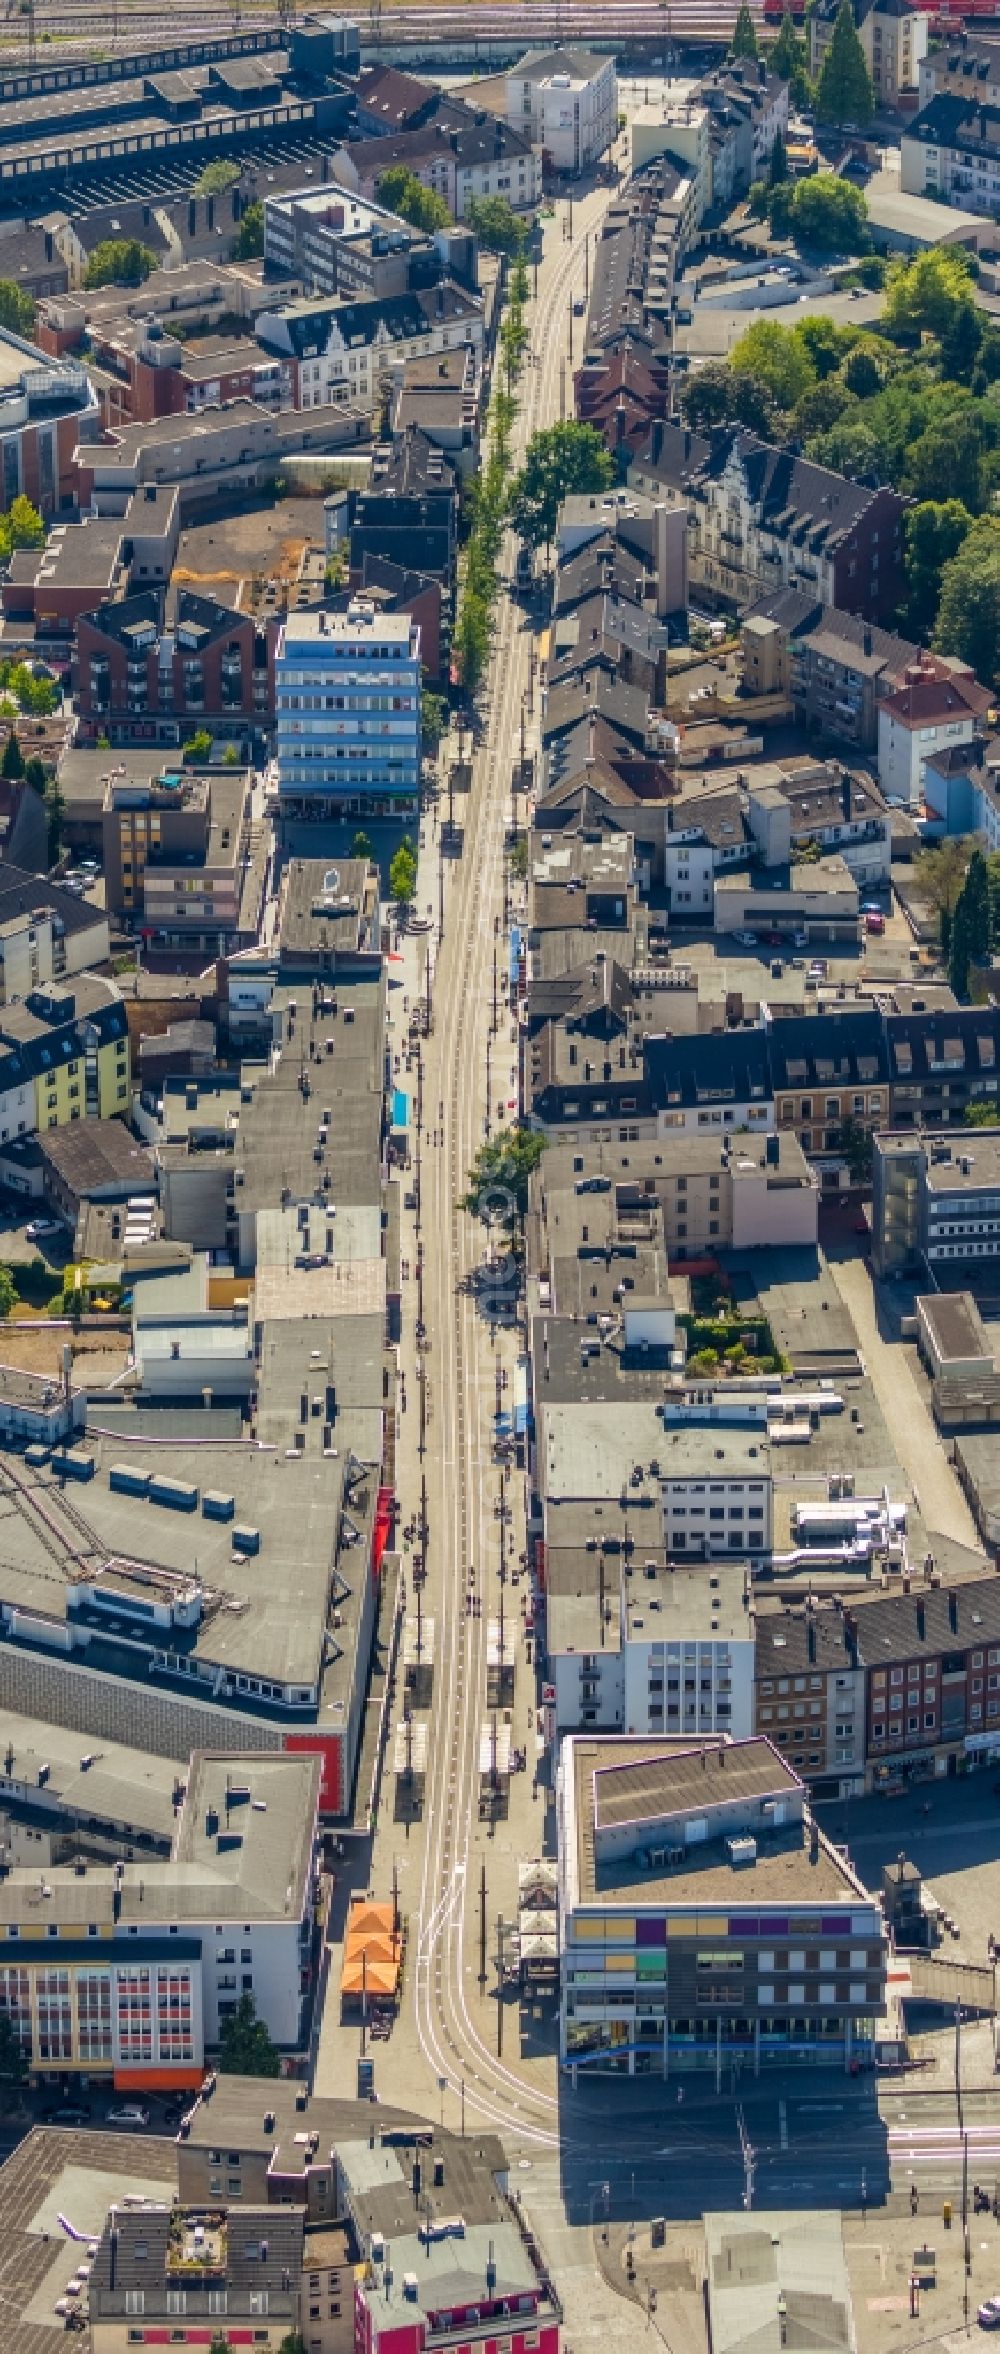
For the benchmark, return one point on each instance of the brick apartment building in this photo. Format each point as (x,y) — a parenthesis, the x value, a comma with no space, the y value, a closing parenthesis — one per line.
(139,681)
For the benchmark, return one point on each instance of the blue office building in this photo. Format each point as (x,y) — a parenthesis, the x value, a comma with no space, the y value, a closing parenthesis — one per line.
(347,706)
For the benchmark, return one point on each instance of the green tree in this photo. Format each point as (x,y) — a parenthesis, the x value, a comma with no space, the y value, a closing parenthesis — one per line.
(55,818)
(498,227)
(788,55)
(778,359)
(472,641)
(970,931)
(433,718)
(216,178)
(844,91)
(714,395)
(947,460)
(17,309)
(249,246)
(934,532)
(982,1115)
(38,696)
(777,169)
(245,2047)
(20,527)
(8,1300)
(854,1142)
(559,461)
(961,343)
(198,746)
(337,567)
(940,874)
(823,406)
(744,40)
(402,193)
(922,296)
(862,369)
(361,845)
(403,874)
(501,1174)
(968,622)
(12,764)
(36,774)
(294,2343)
(850,447)
(119,261)
(830,213)
(13,2062)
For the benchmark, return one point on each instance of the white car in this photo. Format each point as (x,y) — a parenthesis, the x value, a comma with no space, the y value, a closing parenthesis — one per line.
(130,2113)
(44,1229)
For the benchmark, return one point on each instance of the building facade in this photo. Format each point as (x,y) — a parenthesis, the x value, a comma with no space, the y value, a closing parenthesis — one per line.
(936,1200)
(564,101)
(704,1917)
(347,702)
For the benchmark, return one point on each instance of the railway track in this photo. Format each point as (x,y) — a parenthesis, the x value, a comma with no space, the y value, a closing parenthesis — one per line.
(119,27)
(463,1479)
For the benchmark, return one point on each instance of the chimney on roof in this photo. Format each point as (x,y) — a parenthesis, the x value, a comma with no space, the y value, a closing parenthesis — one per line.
(845,794)
(953,1610)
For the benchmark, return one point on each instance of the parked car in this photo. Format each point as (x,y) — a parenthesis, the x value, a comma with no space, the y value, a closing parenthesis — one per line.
(746,939)
(989,2314)
(66,2114)
(44,1229)
(871,907)
(875,923)
(129,2113)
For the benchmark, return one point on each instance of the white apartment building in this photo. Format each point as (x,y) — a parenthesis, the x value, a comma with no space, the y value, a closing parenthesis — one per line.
(715,1486)
(347,711)
(952,151)
(677,1654)
(128,1971)
(566,102)
(345,351)
(938,706)
(680,128)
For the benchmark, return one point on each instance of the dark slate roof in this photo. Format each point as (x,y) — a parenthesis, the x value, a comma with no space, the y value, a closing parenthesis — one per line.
(828,1050)
(953,120)
(790,493)
(21,893)
(936,1619)
(309,324)
(934,1039)
(625,707)
(728,1067)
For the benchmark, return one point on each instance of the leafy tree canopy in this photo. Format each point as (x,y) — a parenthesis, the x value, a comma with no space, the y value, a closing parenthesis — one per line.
(559,460)
(789,52)
(934,532)
(402,193)
(245,2047)
(17,309)
(744,40)
(216,178)
(496,225)
(500,1175)
(715,395)
(403,873)
(968,622)
(249,245)
(119,261)
(830,213)
(778,358)
(922,296)
(844,92)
